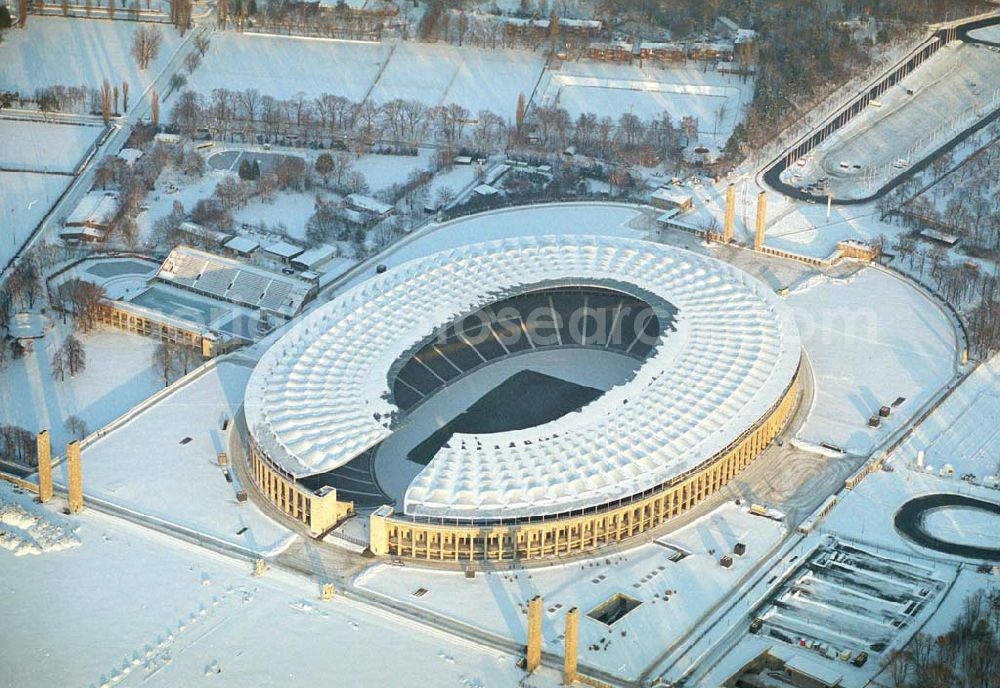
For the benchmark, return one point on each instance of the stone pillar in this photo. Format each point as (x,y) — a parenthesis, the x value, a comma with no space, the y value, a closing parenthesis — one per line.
(572,642)
(74,477)
(727,227)
(758,240)
(378,531)
(534,633)
(44,448)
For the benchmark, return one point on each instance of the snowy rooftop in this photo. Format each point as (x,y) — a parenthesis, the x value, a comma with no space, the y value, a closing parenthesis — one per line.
(242,244)
(369,204)
(320,395)
(316,256)
(283,249)
(96,207)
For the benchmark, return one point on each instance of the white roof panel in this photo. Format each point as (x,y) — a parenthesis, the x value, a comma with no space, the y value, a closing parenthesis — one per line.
(320,395)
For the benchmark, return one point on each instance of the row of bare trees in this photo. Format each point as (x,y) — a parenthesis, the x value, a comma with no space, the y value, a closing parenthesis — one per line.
(69,358)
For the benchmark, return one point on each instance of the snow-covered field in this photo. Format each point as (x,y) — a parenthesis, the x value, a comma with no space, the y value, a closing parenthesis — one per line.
(282,66)
(964,431)
(497,601)
(964,526)
(474,78)
(44,147)
(987,33)
(142,609)
(24,200)
(432,74)
(118,376)
(181,483)
(870,338)
(950,91)
(609,90)
(39,55)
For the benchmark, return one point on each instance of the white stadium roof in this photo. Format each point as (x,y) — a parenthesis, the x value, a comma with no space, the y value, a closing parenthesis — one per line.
(320,395)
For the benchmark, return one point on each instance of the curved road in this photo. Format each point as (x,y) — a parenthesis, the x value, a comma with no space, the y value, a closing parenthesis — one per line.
(772,175)
(909,521)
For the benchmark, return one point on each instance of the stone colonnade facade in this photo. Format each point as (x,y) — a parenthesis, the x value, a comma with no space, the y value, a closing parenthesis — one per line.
(319,511)
(399,536)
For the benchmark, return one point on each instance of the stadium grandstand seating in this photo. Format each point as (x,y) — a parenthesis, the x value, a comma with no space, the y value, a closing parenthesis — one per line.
(560,317)
(234,281)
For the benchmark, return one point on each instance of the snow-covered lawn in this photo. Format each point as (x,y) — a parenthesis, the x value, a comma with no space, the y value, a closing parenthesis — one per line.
(174,186)
(870,338)
(497,601)
(965,430)
(24,200)
(474,78)
(181,482)
(143,609)
(987,33)
(39,56)
(964,526)
(118,376)
(611,90)
(44,147)
(382,171)
(282,66)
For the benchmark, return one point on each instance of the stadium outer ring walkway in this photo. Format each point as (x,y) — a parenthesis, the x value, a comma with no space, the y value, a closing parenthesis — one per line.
(909,520)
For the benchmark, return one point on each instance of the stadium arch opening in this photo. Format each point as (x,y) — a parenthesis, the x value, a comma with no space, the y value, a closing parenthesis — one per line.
(699,364)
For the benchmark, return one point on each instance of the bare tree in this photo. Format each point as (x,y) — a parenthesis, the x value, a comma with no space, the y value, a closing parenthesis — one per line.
(146,43)
(106,101)
(58,367)
(124,93)
(154,113)
(76,357)
(76,426)
(164,360)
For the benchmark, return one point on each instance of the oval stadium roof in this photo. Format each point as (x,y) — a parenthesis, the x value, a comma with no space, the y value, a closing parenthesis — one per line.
(320,395)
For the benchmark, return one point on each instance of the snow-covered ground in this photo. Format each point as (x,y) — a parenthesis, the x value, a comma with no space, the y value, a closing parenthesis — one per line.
(964,526)
(28,528)
(610,90)
(39,56)
(674,595)
(964,432)
(282,66)
(870,338)
(987,33)
(181,482)
(42,146)
(143,609)
(118,376)
(474,78)
(24,200)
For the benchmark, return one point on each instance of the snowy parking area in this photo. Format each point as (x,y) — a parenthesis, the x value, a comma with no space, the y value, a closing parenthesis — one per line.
(954,88)
(871,338)
(964,432)
(44,147)
(676,582)
(163,464)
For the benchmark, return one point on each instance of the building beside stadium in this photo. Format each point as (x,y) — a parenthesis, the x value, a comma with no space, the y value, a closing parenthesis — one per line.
(712,359)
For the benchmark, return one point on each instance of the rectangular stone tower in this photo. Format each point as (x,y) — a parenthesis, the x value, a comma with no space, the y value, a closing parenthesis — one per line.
(727,227)
(758,240)
(534,633)
(74,476)
(572,641)
(44,448)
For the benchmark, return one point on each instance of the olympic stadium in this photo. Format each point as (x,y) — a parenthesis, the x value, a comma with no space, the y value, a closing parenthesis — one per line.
(523,398)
